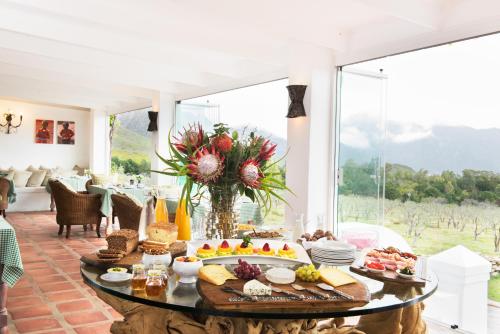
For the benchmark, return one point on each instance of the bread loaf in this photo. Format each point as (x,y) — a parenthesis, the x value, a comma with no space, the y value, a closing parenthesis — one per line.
(165,233)
(123,240)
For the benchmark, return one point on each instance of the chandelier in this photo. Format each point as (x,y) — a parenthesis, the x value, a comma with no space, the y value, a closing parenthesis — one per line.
(8,127)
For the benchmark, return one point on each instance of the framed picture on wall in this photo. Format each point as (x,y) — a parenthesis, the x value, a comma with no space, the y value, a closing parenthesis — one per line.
(66,132)
(44,131)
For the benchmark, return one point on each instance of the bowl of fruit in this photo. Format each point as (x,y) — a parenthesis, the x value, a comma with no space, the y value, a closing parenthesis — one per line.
(246,271)
(406,272)
(187,267)
(375,267)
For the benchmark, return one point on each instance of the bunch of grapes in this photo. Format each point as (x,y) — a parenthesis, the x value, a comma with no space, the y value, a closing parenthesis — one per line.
(246,271)
(308,273)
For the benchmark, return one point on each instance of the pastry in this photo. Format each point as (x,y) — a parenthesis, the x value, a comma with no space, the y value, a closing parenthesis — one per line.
(224,249)
(123,240)
(287,252)
(266,250)
(244,249)
(206,251)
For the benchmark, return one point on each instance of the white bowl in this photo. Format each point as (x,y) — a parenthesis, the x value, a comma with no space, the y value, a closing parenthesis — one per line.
(149,260)
(187,271)
(404,275)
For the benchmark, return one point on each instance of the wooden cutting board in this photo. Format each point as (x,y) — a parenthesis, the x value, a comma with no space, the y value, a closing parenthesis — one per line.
(218,299)
(387,276)
(178,249)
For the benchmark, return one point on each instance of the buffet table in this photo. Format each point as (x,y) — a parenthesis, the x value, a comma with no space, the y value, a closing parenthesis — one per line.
(393,308)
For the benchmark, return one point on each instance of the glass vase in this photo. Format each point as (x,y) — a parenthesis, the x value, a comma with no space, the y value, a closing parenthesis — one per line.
(222,221)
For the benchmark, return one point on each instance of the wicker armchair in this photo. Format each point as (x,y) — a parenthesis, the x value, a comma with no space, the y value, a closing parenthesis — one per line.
(4,192)
(75,208)
(113,214)
(127,211)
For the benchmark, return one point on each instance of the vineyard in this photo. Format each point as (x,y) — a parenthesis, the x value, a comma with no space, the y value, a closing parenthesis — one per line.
(432,225)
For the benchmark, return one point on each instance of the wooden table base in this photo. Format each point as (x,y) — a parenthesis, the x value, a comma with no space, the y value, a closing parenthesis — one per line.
(139,318)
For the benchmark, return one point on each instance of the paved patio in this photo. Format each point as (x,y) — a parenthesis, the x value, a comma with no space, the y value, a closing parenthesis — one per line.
(51,297)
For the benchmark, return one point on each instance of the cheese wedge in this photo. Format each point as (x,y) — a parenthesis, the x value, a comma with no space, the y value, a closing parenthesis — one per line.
(335,277)
(215,274)
(256,288)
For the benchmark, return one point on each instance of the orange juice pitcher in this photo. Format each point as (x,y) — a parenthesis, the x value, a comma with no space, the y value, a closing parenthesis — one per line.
(183,221)
(161,211)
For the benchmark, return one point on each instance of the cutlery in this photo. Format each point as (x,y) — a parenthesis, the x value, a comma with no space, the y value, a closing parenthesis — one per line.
(312,291)
(328,287)
(239,293)
(286,292)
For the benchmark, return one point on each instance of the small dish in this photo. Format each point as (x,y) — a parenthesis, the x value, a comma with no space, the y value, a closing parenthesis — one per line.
(149,259)
(116,277)
(405,276)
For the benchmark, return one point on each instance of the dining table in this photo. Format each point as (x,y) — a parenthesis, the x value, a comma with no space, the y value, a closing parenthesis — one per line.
(11,267)
(393,308)
(140,195)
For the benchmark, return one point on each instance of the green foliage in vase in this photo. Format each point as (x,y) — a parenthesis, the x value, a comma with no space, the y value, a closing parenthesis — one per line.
(224,165)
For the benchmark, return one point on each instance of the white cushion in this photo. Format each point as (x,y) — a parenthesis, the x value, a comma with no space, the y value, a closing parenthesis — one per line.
(36,178)
(21,178)
(30,190)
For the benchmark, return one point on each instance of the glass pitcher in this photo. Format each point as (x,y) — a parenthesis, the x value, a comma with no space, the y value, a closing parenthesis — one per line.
(161,211)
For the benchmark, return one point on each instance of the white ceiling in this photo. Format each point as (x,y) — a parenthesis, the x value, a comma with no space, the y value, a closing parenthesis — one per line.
(115,53)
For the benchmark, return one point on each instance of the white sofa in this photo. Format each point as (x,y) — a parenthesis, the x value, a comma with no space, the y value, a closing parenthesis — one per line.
(30,199)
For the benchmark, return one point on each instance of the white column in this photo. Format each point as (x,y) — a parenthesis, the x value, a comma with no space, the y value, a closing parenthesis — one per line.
(310,139)
(99,160)
(164,104)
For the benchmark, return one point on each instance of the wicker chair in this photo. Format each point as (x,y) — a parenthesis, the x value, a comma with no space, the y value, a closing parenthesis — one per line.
(75,208)
(4,191)
(127,211)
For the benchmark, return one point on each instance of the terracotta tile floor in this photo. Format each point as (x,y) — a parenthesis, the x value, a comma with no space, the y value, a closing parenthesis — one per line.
(51,297)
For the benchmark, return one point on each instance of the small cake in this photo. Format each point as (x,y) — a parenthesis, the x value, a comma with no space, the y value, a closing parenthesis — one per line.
(206,251)
(287,252)
(224,249)
(266,250)
(244,249)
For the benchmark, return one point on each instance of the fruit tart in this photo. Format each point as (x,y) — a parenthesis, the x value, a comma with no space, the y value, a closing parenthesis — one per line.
(287,252)
(206,251)
(245,248)
(224,249)
(267,250)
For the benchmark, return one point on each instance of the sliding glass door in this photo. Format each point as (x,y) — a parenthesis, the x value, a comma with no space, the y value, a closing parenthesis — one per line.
(360,158)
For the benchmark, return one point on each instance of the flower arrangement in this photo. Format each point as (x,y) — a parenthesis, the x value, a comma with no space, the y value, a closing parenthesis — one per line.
(224,165)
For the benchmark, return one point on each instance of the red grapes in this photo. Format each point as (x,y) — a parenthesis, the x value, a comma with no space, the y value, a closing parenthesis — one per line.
(246,271)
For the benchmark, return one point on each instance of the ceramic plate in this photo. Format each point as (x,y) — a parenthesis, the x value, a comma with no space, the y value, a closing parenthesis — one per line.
(109,278)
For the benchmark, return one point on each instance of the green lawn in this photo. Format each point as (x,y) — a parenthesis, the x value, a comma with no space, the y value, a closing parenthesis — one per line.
(494,288)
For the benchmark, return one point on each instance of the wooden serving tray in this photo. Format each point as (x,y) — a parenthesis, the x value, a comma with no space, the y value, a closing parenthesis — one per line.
(220,300)
(387,276)
(177,249)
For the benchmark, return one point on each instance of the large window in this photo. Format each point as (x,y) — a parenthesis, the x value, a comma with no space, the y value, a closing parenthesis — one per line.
(131,145)
(418,145)
(261,108)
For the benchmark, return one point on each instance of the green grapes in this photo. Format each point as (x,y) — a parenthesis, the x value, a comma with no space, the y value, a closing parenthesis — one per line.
(307,273)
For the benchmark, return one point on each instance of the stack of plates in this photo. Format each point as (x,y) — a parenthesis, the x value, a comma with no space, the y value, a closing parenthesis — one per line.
(333,253)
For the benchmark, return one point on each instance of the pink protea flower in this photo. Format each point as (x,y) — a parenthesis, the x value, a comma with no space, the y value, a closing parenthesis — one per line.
(266,151)
(192,138)
(206,166)
(250,174)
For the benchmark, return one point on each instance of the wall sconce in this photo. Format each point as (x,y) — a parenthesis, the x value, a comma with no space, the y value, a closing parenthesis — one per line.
(153,121)
(296,108)
(9,127)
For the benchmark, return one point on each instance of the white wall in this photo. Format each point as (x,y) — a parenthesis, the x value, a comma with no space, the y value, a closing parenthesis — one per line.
(19,150)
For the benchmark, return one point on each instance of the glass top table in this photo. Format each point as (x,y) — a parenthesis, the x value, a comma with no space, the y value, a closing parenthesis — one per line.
(185,298)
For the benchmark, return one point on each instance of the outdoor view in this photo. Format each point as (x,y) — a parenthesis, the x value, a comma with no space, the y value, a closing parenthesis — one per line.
(419,147)
(261,109)
(131,145)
